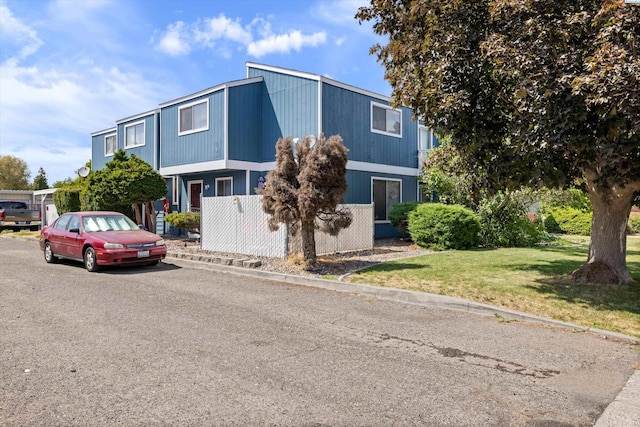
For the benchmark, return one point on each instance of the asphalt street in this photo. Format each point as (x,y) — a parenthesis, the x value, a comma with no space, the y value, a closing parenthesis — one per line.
(169,345)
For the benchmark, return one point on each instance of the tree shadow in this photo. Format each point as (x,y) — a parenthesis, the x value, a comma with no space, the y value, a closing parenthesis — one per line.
(559,285)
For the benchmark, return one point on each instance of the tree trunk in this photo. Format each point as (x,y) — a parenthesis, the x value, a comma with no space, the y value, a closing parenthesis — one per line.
(307,230)
(607,261)
(151,216)
(136,210)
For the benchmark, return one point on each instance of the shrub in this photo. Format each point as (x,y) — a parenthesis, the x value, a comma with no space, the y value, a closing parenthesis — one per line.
(188,221)
(634,224)
(398,216)
(550,224)
(504,221)
(438,226)
(67,200)
(573,221)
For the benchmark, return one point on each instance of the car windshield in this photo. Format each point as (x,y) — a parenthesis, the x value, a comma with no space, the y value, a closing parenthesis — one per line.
(108,223)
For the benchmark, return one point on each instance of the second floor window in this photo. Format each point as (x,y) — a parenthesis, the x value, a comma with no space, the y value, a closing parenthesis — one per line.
(194,117)
(386,120)
(134,135)
(110,144)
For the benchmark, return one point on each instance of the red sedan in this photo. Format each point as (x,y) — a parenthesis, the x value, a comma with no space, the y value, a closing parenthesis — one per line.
(100,238)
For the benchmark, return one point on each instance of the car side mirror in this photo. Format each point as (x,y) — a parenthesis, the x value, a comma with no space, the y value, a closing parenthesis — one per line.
(74,230)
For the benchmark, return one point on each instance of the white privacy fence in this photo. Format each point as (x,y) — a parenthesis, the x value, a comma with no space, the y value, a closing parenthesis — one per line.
(237,224)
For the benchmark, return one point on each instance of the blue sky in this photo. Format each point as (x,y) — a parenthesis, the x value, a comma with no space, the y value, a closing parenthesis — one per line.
(72,67)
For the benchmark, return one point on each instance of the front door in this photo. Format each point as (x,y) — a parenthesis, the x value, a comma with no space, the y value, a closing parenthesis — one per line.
(195,194)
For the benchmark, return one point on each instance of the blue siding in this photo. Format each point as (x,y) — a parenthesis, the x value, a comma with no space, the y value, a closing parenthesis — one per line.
(359,191)
(244,117)
(348,114)
(289,108)
(147,151)
(98,159)
(196,147)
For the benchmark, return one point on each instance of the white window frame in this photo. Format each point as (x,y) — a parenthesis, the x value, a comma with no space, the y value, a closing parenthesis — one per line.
(191,105)
(226,178)
(144,130)
(430,139)
(386,108)
(379,178)
(174,192)
(111,135)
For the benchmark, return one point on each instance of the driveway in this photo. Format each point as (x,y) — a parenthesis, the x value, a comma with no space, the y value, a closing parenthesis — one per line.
(180,346)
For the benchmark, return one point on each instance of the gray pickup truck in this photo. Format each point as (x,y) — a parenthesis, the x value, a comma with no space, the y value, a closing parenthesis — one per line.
(17,215)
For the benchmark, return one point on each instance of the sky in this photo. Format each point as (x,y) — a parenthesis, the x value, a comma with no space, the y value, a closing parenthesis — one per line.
(72,67)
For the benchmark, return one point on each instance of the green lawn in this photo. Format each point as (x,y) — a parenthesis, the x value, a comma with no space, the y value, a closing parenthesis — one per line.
(531,280)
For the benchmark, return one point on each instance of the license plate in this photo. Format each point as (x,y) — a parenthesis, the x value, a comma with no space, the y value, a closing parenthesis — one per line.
(143,254)
(23,222)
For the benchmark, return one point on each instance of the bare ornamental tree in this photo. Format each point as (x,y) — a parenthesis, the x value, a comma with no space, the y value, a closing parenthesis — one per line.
(306,187)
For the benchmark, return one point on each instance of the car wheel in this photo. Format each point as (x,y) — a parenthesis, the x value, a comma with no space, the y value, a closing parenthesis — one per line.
(49,257)
(90,262)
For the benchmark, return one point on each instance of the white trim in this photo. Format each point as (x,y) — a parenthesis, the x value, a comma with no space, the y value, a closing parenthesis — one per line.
(137,116)
(224,178)
(375,167)
(193,96)
(175,194)
(316,77)
(144,134)
(378,178)
(211,90)
(280,70)
(265,167)
(115,135)
(195,181)
(243,82)
(385,107)
(320,107)
(191,105)
(354,89)
(155,142)
(103,131)
(225,125)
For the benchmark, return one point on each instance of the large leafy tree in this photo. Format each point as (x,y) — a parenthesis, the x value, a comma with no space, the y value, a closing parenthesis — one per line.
(40,181)
(306,188)
(539,92)
(14,173)
(125,182)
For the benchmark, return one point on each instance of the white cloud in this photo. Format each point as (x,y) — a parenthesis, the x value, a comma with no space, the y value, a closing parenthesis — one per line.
(222,33)
(14,31)
(284,43)
(223,28)
(176,40)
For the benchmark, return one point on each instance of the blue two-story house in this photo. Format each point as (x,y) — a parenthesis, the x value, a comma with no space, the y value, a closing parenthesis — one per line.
(221,141)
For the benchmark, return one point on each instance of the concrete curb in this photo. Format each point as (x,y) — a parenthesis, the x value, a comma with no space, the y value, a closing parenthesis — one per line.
(624,411)
(400,295)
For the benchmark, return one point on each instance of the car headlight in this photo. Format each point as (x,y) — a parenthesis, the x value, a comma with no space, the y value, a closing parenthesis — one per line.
(160,242)
(113,246)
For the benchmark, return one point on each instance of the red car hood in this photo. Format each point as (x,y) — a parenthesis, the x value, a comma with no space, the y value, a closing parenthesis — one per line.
(126,237)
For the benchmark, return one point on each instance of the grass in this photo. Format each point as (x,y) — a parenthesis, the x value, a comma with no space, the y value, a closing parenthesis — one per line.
(35,234)
(531,280)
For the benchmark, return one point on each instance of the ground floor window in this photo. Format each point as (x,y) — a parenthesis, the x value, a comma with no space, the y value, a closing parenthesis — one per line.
(224,186)
(386,193)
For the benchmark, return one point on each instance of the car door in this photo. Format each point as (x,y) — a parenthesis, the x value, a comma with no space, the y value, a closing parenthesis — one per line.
(57,235)
(74,239)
